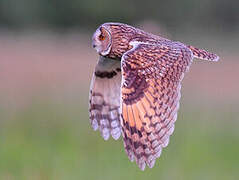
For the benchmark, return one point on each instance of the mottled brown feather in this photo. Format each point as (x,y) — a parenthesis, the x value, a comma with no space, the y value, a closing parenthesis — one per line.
(152,110)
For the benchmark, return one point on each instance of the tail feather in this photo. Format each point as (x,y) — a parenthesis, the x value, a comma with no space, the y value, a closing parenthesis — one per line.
(203,54)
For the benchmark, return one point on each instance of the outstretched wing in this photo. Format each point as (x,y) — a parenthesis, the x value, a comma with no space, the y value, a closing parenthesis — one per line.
(151,82)
(105,98)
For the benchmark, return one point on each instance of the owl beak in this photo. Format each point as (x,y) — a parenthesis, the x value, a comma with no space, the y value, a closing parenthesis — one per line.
(94,43)
(95,46)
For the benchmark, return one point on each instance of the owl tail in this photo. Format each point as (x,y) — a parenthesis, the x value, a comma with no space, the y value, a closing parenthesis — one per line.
(203,54)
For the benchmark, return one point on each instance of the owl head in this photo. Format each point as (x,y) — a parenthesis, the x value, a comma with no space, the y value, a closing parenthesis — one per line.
(112,39)
(102,40)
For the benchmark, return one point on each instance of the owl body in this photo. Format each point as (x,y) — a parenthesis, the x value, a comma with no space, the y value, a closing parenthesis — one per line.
(123,34)
(135,89)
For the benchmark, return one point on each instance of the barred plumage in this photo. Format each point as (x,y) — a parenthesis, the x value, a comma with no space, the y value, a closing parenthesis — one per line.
(142,101)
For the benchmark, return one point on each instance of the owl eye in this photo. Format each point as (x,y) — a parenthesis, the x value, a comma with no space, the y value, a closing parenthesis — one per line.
(101,37)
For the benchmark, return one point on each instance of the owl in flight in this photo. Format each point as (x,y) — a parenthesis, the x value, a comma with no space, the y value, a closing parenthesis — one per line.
(135,88)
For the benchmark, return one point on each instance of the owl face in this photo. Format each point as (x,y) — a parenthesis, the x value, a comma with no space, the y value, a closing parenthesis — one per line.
(102,41)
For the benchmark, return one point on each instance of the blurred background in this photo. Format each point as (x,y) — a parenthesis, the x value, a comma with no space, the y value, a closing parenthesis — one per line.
(46,62)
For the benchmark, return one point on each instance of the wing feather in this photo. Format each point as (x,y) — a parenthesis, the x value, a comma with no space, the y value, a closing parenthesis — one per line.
(152,75)
(104,103)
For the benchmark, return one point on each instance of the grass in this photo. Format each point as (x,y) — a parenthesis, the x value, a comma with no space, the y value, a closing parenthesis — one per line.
(55,141)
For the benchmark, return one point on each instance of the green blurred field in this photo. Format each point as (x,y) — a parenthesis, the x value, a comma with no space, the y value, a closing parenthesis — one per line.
(45,131)
(54,141)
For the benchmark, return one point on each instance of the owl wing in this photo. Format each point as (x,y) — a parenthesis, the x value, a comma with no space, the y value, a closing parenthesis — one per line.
(150,93)
(104,100)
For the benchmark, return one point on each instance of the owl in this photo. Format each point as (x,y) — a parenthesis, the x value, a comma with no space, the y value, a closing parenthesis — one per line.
(135,88)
